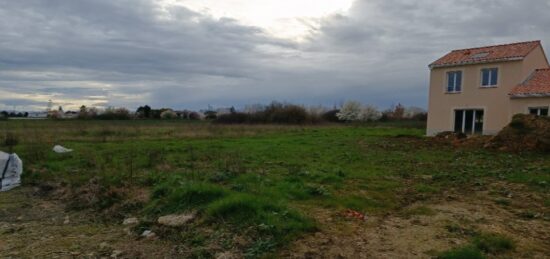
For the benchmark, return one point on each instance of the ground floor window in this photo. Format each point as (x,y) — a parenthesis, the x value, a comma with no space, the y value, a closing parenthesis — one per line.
(539,111)
(469,121)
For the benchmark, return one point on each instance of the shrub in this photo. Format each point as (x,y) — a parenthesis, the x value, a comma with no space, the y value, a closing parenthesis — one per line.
(234,118)
(355,111)
(194,116)
(168,114)
(210,115)
(369,113)
(114,114)
(351,111)
(331,116)
(285,114)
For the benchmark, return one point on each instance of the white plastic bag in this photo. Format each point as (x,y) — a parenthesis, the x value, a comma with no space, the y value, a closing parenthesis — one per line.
(11,168)
(59,149)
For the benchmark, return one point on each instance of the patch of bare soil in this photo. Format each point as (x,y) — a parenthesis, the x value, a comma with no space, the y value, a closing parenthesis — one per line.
(425,228)
(31,226)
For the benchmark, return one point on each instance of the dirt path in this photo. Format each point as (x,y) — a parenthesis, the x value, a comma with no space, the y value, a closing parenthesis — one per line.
(426,228)
(31,226)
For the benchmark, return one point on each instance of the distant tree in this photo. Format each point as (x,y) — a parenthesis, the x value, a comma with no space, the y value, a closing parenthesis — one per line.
(210,115)
(55,115)
(194,116)
(122,114)
(369,113)
(4,114)
(254,108)
(144,112)
(83,112)
(331,116)
(168,114)
(155,113)
(92,112)
(112,113)
(399,112)
(414,113)
(350,111)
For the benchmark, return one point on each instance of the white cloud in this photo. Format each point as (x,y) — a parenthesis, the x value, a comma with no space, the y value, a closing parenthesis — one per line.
(291,19)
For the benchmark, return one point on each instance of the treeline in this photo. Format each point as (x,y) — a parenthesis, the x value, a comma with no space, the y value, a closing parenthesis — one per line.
(5,114)
(143,112)
(351,111)
(277,113)
(274,113)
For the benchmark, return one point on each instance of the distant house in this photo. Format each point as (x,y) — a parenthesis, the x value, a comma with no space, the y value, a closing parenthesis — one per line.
(478,90)
(70,115)
(38,115)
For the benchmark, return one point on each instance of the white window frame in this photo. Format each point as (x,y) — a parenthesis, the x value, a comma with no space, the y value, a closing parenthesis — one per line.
(455,73)
(490,77)
(539,110)
(474,117)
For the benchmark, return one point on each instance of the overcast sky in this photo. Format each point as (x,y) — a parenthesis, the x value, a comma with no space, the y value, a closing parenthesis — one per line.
(195,53)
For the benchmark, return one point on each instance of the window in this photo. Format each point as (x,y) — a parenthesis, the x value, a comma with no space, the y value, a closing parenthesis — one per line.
(489,77)
(539,111)
(469,121)
(454,81)
(480,55)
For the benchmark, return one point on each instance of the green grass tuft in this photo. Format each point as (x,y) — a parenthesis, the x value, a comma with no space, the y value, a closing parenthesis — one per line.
(493,243)
(190,195)
(247,210)
(465,252)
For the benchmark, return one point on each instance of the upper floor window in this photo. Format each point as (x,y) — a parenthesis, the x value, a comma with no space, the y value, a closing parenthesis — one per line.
(489,77)
(454,81)
(539,111)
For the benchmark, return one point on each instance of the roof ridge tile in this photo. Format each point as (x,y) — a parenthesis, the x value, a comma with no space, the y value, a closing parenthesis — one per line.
(499,45)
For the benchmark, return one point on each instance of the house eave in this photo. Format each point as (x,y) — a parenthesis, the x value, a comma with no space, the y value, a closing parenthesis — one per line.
(465,63)
(529,95)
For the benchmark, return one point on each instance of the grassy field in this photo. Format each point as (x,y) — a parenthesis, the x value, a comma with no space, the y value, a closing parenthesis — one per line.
(270,191)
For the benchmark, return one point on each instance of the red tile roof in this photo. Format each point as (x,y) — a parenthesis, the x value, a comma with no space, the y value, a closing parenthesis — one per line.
(538,84)
(507,52)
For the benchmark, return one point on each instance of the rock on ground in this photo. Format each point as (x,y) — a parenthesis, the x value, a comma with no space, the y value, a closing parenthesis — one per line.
(174,220)
(130,221)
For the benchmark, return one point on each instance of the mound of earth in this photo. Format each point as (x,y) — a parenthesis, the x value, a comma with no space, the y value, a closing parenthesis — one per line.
(524,133)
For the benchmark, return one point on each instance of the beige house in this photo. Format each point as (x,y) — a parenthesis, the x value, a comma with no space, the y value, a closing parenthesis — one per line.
(478,90)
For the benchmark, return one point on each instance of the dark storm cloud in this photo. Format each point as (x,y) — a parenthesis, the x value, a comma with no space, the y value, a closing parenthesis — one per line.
(132,52)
